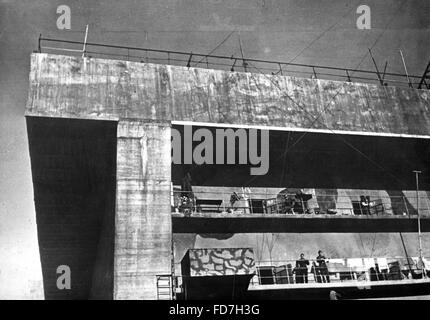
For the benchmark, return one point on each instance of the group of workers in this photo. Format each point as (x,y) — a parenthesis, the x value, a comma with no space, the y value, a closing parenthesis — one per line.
(319,269)
(286,203)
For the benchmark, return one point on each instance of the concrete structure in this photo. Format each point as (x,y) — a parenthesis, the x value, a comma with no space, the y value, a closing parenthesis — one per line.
(143,228)
(99,135)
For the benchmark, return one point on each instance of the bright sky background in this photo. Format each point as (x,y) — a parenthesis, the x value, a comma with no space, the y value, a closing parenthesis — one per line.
(269,29)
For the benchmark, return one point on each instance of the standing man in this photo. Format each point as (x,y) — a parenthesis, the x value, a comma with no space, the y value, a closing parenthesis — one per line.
(188,201)
(322,267)
(302,269)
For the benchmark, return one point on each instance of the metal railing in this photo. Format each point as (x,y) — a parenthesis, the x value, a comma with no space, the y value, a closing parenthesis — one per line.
(221,201)
(228,63)
(335,271)
(339,270)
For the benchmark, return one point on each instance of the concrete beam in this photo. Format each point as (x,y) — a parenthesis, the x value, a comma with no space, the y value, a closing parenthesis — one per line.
(71,87)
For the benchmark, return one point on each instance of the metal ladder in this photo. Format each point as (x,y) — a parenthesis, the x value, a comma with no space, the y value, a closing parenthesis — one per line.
(164,287)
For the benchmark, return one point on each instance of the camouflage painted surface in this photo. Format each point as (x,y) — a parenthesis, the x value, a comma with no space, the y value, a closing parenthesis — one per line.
(218,262)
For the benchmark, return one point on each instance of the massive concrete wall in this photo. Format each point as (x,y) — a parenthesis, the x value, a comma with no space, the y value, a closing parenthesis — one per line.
(143,229)
(70,87)
(63,86)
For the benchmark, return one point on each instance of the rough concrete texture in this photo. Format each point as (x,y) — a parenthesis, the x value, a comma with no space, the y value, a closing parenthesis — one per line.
(64,86)
(142,224)
(70,87)
(218,262)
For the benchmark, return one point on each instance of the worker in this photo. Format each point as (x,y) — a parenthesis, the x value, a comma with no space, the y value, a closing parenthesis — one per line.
(302,269)
(322,267)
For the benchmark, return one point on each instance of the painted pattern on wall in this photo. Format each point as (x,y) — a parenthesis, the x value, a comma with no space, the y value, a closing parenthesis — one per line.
(218,262)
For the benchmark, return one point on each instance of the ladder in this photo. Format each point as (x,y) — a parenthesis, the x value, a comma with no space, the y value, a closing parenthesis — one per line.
(164,287)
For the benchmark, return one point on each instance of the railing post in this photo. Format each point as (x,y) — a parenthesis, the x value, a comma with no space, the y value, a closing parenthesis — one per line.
(406,207)
(315,74)
(85,42)
(420,249)
(347,74)
(376,67)
(39,47)
(234,63)
(223,200)
(406,70)
(265,203)
(189,60)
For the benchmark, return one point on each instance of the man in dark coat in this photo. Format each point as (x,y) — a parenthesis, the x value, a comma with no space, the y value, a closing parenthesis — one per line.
(302,269)
(322,267)
(188,201)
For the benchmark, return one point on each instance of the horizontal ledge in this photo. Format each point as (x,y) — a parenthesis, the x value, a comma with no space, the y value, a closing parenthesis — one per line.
(256,223)
(105,117)
(68,115)
(350,290)
(297,129)
(333,285)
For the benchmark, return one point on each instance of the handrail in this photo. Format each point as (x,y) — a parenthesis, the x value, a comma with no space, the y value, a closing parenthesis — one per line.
(274,193)
(338,270)
(199,202)
(346,74)
(274,262)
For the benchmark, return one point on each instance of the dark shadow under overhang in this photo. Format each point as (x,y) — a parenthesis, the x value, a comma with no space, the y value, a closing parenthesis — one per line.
(73,164)
(256,223)
(319,160)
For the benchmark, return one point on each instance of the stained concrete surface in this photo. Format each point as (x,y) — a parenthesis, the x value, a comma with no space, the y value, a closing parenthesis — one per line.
(67,87)
(269,29)
(143,229)
(71,87)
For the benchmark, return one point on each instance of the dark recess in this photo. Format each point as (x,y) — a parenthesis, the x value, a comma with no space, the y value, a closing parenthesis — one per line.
(73,166)
(324,161)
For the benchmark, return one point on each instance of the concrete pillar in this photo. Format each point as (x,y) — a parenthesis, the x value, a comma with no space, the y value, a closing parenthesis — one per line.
(143,228)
